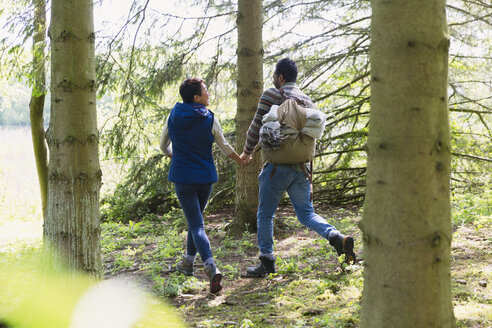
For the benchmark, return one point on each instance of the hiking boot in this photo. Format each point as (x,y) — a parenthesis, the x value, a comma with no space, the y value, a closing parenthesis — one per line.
(267,266)
(344,245)
(215,276)
(185,266)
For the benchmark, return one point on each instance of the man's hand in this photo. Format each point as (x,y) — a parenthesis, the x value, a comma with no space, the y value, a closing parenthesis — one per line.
(245,157)
(242,162)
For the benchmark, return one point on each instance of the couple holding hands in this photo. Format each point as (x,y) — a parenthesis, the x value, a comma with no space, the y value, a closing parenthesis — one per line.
(187,138)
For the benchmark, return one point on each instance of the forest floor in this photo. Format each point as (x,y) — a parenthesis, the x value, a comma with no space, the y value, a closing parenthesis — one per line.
(311,289)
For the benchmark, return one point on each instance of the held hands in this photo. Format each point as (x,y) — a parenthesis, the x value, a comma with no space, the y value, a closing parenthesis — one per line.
(245,157)
(240,160)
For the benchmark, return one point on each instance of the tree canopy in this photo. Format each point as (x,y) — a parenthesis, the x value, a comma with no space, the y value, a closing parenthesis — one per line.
(144,53)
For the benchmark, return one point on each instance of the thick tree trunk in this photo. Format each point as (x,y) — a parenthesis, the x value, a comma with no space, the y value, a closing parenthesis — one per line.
(36,105)
(72,217)
(249,89)
(406,222)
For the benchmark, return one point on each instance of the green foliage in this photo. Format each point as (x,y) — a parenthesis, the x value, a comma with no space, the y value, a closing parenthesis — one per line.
(176,284)
(334,70)
(309,287)
(145,190)
(223,194)
(16,20)
(145,74)
(147,87)
(329,40)
(150,246)
(471,208)
(230,244)
(311,290)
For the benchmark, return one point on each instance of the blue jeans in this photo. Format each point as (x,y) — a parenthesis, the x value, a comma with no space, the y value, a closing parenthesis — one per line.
(193,199)
(285,178)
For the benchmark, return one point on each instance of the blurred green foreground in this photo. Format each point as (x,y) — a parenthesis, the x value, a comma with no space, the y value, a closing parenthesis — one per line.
(33,297)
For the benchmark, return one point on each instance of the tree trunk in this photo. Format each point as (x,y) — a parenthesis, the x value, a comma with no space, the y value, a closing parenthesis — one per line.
(36,105)
(406,222)
(72,217)
(249,89)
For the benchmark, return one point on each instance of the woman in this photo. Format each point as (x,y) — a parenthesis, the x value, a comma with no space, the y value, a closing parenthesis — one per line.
(191,129)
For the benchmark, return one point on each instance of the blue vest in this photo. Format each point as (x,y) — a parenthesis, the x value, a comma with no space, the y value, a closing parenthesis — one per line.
(190,131)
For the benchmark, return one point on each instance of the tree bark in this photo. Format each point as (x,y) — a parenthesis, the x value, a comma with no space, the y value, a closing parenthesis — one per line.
(249,89)
(406,223)
(72,217)
(36,105)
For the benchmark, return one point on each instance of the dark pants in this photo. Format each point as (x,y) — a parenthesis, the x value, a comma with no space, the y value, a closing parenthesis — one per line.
(193,199)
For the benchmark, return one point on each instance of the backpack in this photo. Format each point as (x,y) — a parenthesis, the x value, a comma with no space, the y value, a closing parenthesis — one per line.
(282,139)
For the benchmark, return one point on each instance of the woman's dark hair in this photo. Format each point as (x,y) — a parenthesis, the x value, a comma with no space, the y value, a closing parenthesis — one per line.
(288,68)
(189,88)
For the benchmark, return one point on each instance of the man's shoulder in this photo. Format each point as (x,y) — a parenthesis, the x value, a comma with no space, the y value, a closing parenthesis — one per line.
(293,89)
(270,96)
(271,92)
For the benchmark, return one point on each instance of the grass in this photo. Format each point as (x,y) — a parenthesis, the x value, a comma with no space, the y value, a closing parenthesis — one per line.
(309,290)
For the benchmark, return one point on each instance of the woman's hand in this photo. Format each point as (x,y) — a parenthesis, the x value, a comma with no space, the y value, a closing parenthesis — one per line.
(246,158)
(238,159)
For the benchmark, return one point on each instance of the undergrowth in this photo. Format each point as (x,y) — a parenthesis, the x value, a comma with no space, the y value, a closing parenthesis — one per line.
(310,288)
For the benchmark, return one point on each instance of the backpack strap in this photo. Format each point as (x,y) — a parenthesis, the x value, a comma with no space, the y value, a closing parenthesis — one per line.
(284,97)
(309,177)
(311,180)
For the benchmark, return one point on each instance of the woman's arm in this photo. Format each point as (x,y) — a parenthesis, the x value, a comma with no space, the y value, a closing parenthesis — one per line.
(166,142)
(223,144)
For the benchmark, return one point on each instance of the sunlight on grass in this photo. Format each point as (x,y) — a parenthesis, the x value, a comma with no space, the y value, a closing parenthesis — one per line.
(473,311)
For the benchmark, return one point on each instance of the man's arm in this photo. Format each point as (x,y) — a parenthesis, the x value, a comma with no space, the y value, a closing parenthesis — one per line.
(268,98)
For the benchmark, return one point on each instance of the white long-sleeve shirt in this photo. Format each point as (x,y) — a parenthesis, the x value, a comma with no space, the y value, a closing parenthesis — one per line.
(217,132)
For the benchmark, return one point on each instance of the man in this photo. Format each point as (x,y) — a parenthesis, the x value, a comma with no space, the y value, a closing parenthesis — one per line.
(275,179)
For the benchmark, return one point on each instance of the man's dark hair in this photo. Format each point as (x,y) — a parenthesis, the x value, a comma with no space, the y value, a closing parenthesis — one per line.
(288,68)
(189,88)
